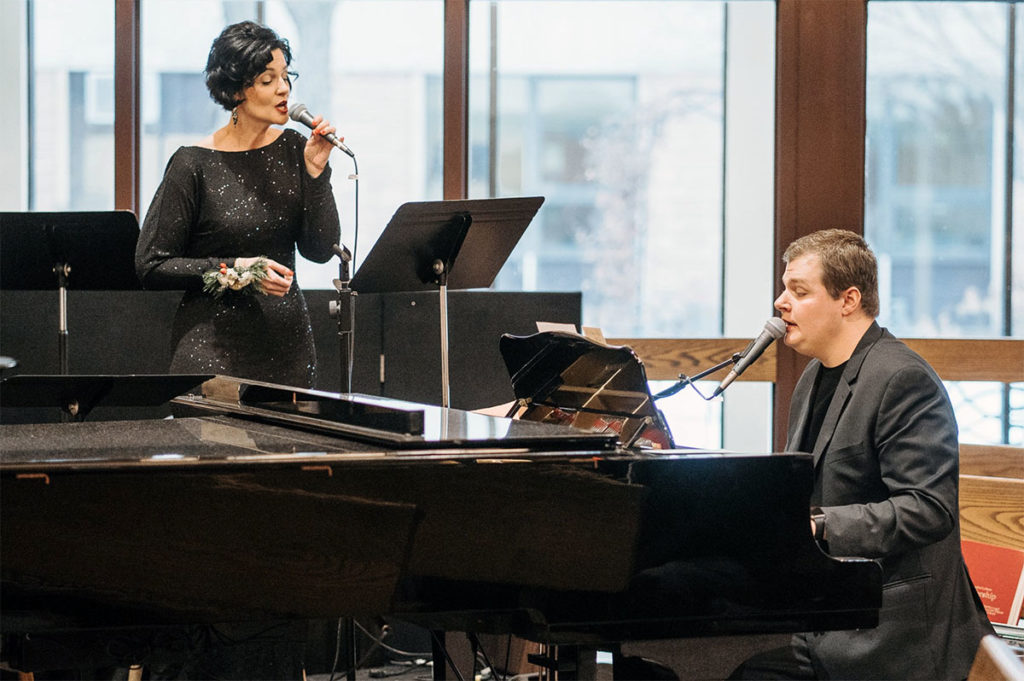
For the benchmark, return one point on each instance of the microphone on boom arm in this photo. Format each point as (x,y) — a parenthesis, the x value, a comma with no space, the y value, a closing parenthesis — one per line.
(774,329)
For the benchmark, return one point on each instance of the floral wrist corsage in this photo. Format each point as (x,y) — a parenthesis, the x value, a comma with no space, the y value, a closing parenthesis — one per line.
(239,279)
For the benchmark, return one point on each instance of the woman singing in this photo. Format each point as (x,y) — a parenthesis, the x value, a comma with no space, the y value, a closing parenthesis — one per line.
(227,217)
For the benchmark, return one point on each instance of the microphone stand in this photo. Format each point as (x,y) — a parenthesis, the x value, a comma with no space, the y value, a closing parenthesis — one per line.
(344,308)
(685,380)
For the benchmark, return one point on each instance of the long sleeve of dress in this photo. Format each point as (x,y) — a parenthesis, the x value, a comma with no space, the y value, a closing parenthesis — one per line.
(320,228)
(160,255)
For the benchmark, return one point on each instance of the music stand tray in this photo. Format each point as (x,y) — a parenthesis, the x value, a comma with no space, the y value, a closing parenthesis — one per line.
(81,250)
(77,395)
(418,250)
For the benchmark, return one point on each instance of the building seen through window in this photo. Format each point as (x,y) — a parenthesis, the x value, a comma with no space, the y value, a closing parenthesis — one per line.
(71,105)
(937,186)
(619,123)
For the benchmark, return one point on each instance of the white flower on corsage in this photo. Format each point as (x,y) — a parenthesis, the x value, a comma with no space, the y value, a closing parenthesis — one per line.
(245,280)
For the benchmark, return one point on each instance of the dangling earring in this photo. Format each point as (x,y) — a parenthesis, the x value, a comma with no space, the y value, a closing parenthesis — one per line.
(234,116)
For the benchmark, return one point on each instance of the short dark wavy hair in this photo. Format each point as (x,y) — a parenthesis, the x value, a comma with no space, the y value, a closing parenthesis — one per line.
(846,260)
(239,54)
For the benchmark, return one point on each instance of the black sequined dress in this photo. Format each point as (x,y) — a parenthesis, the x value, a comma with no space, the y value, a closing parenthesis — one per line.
(213,206)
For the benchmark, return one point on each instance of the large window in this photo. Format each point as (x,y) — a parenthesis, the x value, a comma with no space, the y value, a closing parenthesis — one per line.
(71,105)
(371,66)
(618,123)
(940,154)
(653,152)
(176,108)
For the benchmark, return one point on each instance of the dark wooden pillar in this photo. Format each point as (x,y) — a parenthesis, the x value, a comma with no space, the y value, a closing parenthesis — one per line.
(456,99)
(819,137)
(127,117)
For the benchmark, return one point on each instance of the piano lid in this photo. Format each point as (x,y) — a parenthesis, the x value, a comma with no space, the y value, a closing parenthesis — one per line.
(382,421)
(593,387)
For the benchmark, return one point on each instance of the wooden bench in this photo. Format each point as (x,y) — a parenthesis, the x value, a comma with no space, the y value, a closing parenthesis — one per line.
(1000,461)
(992,494)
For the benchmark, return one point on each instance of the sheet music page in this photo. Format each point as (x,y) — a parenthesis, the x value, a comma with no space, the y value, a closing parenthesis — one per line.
(555,326)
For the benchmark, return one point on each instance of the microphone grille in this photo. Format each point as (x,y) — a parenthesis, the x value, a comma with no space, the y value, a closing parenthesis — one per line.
(295,113)
(775,327)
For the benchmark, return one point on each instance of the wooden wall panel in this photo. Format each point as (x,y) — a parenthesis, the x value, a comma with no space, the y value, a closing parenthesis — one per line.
(997,461)
(665,358)
(962,359)
(456,99)
(127,114)
(819,138)
(997,359)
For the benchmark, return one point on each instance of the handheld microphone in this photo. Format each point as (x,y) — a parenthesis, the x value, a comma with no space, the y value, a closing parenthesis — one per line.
(300,114)
(774,329)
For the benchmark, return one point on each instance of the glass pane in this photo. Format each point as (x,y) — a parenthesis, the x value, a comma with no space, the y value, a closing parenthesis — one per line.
(618,123)
(935,178)
(1016,408)
(693,421)
(978,408)
(936,185)
(621,124)
(378,83)
(72,105)
(1016,306)
(176,107)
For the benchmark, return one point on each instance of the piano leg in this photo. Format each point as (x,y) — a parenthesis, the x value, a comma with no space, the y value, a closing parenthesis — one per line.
(452,652)
(347,633)
(586,663)
(566,662)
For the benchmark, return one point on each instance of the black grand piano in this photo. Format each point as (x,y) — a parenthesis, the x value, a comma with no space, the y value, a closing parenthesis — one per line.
(578,524)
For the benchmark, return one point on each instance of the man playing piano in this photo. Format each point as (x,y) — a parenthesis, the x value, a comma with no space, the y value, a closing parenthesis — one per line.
(886,457)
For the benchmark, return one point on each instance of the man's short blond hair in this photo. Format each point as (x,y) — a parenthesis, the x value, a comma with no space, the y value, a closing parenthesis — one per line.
(846,260)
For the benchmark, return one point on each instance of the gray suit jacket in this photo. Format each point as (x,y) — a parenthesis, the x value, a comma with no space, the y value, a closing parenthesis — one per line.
(886,466)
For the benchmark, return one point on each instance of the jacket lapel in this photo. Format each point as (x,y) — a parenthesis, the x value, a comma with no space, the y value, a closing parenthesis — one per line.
(843,390)
(835,410)
(799,408)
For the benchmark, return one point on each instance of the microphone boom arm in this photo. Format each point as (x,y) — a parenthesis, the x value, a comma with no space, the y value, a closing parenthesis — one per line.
(774,329)
(685,380)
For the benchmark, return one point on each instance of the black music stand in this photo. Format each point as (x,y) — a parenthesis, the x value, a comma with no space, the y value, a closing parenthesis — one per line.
(418,248)
(82,250)
(78,395)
